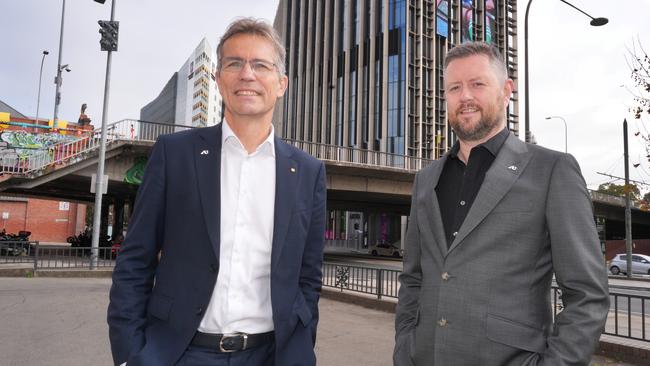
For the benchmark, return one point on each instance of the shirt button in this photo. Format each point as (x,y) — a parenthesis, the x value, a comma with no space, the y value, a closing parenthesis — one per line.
(455,233)
(442,322)
(445,276)
(462,203)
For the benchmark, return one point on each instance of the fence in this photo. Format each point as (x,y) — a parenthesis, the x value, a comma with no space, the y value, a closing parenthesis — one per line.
(136,131)
(627,315)
(53,256)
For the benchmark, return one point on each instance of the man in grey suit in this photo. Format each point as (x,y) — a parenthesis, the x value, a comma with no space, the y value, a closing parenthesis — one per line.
(490,224)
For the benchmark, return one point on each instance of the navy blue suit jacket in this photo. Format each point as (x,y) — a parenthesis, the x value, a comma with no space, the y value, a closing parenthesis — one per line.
(168,264)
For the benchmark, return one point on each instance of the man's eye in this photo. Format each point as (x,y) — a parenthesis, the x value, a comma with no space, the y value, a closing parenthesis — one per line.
(234,64)
(261,66)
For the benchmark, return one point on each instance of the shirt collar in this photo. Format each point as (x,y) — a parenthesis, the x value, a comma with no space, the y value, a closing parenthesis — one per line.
(267,145)
(493,145)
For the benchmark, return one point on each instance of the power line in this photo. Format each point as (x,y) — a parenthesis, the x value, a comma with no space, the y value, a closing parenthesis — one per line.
(621,178)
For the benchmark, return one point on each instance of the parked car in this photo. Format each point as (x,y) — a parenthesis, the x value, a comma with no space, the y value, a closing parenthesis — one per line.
(640,264)
(386,250)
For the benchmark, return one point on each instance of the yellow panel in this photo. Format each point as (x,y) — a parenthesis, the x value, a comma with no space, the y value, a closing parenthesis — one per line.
(61,124)
(5,117)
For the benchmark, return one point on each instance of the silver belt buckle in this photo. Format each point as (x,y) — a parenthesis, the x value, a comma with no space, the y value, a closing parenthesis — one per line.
(233,335)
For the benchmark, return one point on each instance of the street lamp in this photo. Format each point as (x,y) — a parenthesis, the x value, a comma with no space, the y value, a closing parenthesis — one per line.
(565,130)
(596,22)
(40,77)
(59,68)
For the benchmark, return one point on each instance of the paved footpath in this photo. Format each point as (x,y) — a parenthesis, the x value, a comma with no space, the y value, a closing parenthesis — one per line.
(62,321)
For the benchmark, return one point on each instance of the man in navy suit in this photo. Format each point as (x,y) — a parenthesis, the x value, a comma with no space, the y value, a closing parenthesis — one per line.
(222,261)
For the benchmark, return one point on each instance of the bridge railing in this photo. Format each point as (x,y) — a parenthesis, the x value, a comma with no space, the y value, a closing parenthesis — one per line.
(353,155)
(145,131)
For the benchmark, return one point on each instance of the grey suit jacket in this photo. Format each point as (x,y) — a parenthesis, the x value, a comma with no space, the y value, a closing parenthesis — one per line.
(486,300)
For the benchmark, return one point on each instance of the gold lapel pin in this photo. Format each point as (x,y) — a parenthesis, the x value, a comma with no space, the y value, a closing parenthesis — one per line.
(293,170)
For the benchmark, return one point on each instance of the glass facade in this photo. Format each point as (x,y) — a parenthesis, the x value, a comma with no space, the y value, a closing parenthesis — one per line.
(367,74)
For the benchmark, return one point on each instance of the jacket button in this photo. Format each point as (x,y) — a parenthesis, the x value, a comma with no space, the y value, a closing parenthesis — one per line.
(442,322)
(213,268)
(445,276)
(199,310)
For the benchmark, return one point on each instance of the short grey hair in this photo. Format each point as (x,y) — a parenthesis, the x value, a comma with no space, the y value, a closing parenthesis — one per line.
(468,49)
(257,27)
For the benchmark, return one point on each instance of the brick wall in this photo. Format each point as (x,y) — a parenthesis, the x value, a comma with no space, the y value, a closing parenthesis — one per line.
(48,220)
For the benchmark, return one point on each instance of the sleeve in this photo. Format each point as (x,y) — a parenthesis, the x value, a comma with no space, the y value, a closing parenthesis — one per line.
(410,282)
(578,265)
(311,271)
(133,275)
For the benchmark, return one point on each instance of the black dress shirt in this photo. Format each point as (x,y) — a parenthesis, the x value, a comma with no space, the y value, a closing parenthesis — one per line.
(459,183)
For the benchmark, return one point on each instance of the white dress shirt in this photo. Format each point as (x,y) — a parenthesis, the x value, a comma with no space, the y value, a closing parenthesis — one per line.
(241,300)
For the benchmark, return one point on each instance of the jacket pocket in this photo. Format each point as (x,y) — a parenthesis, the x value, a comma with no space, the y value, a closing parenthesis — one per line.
(159,306)
(301,309)
(515,334)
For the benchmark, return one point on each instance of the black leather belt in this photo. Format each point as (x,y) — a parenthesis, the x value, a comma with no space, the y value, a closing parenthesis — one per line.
(232,342)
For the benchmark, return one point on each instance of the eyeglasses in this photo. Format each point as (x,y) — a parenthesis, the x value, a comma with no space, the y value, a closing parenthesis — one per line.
(259,67)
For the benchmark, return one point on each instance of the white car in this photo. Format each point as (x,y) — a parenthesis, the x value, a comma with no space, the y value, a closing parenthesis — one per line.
(640,264)
(386,250)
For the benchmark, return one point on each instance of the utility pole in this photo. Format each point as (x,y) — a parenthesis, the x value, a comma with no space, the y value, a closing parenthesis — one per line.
(109,32)
(628,212)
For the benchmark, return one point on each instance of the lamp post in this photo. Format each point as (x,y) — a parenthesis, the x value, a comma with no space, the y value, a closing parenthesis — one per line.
(565,131)
(596,22)
(40,77)
(59,68)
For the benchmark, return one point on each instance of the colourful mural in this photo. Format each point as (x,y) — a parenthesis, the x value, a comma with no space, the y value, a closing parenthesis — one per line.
(24,143)
(136,172)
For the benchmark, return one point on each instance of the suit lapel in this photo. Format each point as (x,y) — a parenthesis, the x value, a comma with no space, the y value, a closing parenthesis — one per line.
(287,171)
(506,168)
(207,160)
(432,206)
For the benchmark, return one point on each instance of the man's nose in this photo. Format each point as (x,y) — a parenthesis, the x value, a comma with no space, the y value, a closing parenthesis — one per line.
(247,72)
(466,94)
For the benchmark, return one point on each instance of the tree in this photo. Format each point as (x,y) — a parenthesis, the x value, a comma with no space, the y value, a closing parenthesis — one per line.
(619,190)
(640,66)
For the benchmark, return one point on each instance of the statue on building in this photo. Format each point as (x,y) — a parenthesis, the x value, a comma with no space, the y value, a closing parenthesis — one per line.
(83,118)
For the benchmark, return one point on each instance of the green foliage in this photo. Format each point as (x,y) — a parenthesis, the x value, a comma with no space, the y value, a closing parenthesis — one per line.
(619,190)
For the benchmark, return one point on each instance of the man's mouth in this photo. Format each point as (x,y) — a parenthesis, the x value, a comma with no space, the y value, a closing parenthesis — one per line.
(468,109)
(246,93)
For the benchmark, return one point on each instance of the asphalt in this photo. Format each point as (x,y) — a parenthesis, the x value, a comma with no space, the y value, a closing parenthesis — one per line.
(62,321)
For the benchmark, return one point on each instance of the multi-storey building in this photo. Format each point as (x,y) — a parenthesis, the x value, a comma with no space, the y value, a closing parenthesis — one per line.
(368,74)
(191,96)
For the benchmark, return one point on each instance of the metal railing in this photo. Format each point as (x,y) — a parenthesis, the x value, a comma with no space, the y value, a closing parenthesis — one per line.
(627,315)
(374,281)
(353,155)
(129,130)
(53,256)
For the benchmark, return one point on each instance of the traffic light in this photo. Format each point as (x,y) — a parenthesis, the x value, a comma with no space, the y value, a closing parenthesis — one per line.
(109,31)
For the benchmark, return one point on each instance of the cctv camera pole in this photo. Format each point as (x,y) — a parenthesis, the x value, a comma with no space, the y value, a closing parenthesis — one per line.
(57,79)
(99,181)
(628,212)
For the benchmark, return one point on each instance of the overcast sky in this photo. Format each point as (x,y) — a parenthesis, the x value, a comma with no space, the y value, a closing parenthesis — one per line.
(577,71)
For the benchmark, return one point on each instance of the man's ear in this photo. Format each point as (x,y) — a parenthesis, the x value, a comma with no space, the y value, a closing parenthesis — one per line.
(284,81)
(508,88)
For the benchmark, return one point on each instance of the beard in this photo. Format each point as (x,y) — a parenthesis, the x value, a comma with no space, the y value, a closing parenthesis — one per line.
(466,130)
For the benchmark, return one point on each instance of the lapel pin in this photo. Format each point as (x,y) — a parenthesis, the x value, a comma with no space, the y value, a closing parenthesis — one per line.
(204,152)
(293,170)
(513,168)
